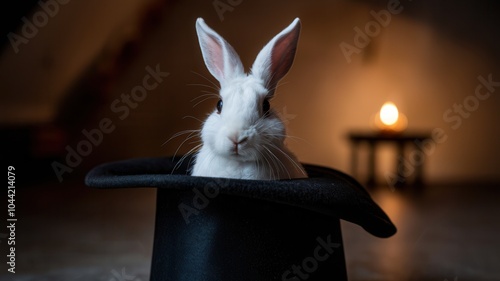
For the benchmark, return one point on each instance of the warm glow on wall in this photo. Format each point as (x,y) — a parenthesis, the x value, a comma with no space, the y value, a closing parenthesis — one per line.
(389,119)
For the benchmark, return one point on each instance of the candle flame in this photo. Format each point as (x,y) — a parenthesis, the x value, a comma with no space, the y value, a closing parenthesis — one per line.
(389,114)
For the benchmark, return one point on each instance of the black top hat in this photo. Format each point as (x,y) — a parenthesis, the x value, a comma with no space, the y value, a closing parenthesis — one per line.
(230,229)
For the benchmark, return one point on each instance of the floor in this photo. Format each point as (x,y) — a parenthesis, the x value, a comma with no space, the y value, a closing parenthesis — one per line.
(444,233)
(70,232)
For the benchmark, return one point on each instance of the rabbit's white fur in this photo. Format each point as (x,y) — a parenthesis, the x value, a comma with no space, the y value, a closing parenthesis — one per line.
(242,141)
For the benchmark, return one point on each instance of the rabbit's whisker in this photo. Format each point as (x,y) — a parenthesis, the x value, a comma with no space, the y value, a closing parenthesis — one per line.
(179,163)
(203,85)
(297,166)
(208,79)
(203,100)
(190,136)
(264,155)
(277,161)
(179,134)
(208,94)
(192,117)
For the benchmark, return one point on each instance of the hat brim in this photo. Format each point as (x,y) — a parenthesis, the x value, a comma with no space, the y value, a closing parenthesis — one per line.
(325,191)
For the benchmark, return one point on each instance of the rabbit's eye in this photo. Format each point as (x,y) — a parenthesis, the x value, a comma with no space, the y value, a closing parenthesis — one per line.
(219,106)
(266,106)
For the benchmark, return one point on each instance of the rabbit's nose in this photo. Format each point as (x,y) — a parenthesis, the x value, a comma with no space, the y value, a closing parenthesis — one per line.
(238,139)
(237,143)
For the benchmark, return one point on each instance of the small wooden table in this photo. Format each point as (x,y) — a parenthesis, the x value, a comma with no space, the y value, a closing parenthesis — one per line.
(400,140)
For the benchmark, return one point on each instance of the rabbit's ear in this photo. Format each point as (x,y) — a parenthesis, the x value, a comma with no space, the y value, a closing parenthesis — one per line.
(220,58)
(276,58)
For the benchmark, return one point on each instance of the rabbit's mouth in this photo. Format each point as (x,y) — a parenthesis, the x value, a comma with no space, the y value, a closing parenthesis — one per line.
(235,150)
(241,153)
(238,152)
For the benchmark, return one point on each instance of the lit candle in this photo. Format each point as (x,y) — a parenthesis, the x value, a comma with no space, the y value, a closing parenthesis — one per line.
(389,119)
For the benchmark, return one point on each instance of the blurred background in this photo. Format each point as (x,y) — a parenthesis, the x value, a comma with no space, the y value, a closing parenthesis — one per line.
(71,98)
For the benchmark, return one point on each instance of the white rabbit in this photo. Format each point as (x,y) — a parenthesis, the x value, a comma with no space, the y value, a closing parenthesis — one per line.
(244,138)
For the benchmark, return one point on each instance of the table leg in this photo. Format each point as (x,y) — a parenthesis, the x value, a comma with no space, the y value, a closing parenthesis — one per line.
(419,168)
(400,165)
(354,159)
(371,164)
